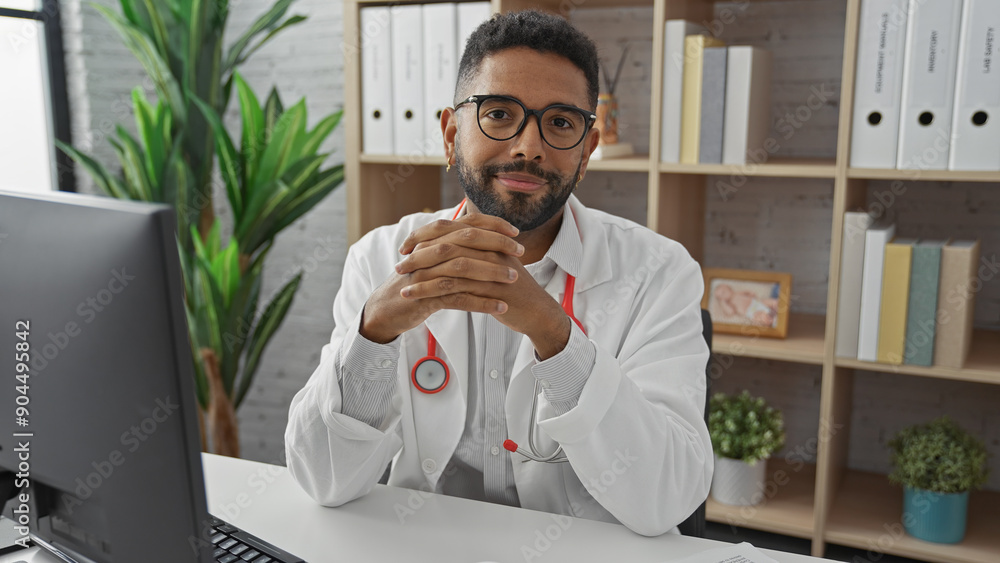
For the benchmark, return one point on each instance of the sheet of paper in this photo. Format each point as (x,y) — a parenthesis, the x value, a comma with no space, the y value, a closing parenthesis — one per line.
(736,553)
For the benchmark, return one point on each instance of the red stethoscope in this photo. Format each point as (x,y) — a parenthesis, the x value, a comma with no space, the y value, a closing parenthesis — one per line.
(430,374)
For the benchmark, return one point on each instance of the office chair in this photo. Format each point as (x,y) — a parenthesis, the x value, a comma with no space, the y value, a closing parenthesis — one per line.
(694,525)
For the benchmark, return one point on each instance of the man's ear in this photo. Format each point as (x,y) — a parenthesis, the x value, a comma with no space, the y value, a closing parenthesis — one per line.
(449,128)
(589,146)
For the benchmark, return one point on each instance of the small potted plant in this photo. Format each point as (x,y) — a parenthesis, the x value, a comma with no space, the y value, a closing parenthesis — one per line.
(937,464)
(744,431)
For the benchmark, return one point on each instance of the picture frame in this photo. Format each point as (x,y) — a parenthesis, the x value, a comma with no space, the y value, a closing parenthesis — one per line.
(747,302)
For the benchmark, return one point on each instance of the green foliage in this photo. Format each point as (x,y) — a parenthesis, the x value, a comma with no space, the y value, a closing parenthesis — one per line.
(939,456)
(272,176)
(744,427)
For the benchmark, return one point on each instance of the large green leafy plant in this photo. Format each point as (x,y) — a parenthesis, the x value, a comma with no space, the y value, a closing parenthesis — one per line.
(273,174)
(744,427)
(938,456)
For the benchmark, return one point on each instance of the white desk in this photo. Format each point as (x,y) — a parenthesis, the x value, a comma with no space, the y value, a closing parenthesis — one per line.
(392,524)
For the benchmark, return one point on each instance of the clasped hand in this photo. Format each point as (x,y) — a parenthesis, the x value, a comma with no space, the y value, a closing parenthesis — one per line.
(469,264)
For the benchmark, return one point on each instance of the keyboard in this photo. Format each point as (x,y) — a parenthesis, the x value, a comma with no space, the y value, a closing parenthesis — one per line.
(233,545)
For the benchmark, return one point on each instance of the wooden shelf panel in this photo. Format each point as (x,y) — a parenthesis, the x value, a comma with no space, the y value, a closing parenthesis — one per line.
(923,175)
(776,167)
(804,343)
(788,511)
(638,163)
(414,160)
(982,365)
(867,514)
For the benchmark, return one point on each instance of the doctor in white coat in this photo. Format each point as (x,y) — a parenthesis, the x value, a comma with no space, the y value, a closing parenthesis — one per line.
(524,294)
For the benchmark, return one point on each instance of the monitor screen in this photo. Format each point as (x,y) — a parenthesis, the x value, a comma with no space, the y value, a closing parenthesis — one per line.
(97,406)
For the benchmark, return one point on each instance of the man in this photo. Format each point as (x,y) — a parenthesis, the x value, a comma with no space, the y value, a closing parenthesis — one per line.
(621,390)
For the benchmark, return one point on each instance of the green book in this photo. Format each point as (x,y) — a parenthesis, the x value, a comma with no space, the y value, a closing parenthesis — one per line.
(921,317)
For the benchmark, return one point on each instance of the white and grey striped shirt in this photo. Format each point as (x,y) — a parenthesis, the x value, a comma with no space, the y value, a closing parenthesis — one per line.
(481,469)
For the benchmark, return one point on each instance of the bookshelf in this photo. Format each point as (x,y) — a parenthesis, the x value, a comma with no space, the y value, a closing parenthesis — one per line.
(825,502)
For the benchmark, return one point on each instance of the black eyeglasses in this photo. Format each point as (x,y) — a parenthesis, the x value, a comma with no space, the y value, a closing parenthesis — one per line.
(502,118)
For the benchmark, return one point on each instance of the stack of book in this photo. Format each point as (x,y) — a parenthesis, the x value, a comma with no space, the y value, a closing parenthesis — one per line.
(409,66)
(716,99)
(927,86)
(904,300)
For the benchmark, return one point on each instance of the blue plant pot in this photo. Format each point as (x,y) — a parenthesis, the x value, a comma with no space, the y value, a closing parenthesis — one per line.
(935,517)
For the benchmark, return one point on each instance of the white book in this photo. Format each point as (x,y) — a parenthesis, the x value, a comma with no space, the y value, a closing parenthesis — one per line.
(673,86)
(871,290)
(408,79)
(748,103)
(470,15)
(852,262)
(376,81)
(878,83)
(975,132)
(929,67)
(440,70)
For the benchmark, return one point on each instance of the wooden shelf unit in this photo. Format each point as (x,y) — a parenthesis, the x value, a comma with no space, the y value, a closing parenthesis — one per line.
(822,502)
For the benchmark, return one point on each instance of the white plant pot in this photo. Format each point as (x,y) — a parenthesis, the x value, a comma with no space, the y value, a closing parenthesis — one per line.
(738,483)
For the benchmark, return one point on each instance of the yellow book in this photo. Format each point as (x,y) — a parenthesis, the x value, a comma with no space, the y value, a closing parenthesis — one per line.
(895,300)
(694,58)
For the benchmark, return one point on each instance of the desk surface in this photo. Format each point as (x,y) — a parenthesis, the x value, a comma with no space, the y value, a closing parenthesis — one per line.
(393,524)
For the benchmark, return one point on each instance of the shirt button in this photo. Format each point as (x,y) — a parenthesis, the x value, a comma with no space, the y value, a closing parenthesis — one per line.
(544,383)
(494,450)
(386,363)
(429,465)
(493,374)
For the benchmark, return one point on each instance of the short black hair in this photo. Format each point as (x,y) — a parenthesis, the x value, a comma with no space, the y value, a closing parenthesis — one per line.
(543,32)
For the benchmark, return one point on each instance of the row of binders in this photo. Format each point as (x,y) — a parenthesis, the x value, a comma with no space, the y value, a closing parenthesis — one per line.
(927,87)
(904,300)
(409,66)
(716,99)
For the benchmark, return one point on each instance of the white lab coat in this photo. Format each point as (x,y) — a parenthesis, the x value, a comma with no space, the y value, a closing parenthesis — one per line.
(638,447)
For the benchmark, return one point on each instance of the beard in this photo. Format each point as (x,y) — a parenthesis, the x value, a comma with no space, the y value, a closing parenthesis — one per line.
(526,211)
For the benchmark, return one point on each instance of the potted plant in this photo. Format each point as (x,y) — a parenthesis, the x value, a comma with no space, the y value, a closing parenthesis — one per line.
(744,431)
(273,173)
(937,464)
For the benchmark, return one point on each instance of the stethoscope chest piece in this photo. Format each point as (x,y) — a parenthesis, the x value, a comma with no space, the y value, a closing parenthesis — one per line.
(430,374)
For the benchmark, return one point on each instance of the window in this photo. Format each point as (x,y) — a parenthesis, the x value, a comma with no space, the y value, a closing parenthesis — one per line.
(33,104)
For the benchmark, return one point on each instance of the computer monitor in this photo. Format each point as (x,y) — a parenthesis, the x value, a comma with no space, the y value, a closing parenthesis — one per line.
(94,348)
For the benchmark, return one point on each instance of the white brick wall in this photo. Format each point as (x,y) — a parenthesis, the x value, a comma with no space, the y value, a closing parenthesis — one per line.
(304,62)
(779,224)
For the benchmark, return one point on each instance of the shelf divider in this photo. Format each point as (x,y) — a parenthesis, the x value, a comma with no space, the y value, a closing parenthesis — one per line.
(804,343)
(787,507)
(982,365)
(775,168)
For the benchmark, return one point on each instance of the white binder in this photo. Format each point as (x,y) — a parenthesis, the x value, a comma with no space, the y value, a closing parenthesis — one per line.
(748,103)
(878,83)
(929,84)
(871,290)
(673,86)
(376,81)
(975,134)
(440,70)
(408,79)
(470,15)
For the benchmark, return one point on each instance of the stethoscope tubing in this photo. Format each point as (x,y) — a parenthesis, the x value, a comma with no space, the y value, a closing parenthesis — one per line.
(532,455)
